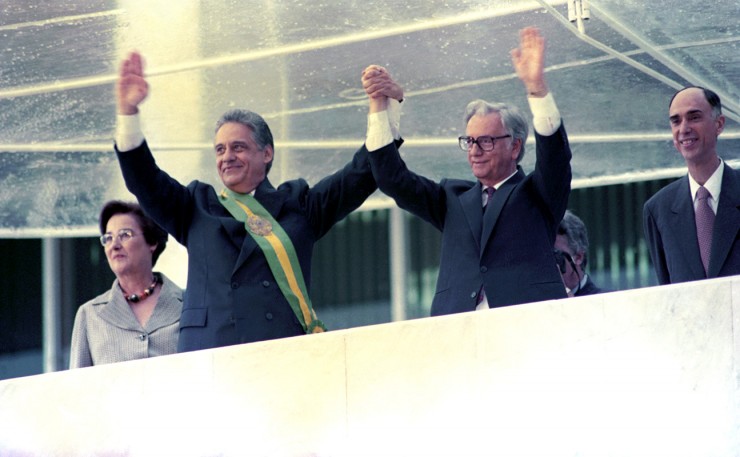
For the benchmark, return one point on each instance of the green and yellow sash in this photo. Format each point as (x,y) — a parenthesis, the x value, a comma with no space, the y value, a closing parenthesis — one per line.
(279,251)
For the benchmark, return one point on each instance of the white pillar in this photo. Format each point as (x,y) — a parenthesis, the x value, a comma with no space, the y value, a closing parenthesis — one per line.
(51,305)
(398,227)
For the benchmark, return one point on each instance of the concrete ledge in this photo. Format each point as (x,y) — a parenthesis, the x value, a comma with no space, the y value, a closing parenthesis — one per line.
(648,372)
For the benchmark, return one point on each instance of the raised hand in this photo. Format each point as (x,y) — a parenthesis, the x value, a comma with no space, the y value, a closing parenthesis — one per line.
(378,83)
(529,61)
(379,87)
(131,88)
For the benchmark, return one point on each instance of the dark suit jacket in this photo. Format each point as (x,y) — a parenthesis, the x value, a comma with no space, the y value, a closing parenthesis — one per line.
(670,230)
(511,251)
(231,295)
(589,289)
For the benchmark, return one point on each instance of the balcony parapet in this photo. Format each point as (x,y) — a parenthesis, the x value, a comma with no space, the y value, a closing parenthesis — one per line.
(650,371)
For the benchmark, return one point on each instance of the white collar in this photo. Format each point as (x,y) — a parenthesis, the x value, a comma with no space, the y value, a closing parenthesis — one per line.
(498,184)
(713,184)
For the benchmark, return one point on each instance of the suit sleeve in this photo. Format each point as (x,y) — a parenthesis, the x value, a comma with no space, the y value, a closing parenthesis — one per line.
(412,192)
(80,356)
(552,173)
(163,198)
(340,193)
(655,244)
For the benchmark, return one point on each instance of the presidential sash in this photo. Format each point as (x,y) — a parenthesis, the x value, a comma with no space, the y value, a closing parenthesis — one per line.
(279,251)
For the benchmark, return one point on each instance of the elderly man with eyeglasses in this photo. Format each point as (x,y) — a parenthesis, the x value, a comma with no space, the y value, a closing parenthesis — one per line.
(497,230)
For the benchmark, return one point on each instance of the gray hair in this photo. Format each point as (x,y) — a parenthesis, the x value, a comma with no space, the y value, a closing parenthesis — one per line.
(515,124)
(261,133)
(576,234)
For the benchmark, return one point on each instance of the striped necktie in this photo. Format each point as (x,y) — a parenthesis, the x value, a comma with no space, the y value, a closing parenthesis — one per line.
(704,225)
(489,191)
(486,200)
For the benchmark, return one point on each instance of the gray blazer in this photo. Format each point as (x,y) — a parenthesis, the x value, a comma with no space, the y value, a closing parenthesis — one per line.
(106,330)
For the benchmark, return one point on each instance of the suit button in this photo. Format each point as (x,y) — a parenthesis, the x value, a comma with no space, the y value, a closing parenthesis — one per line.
(234,285)
(473,294)
(266,283)
(268,316)
(483,269)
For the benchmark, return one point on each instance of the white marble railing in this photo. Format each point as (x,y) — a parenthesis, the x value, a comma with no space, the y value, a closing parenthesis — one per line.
(646,372)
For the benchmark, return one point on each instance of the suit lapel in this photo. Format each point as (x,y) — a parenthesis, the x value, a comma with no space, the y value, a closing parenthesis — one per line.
(727,222)
(498,201)
(683,223)
(168,309)
(273,202)
(233,228)
(117,310)
(472,204)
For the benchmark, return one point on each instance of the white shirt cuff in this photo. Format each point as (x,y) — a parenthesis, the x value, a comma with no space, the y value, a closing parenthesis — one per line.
(383,127)
(546,117)
(394,117)
(128,132)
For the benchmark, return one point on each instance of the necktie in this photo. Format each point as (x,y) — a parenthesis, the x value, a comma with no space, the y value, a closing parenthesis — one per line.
(704,224)
(482,293)
(489,192)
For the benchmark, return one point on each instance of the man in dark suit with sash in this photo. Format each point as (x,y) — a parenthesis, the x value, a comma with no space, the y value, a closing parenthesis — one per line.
(249,244)
(692,225)
(503,254)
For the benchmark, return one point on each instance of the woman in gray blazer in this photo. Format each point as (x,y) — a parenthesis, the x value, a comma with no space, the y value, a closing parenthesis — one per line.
(139,316)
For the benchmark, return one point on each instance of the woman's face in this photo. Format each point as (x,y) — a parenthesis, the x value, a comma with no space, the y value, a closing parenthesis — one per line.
(127,254)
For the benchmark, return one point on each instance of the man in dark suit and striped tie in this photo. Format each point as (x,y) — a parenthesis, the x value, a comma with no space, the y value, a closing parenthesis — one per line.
(502,255)
(693,224)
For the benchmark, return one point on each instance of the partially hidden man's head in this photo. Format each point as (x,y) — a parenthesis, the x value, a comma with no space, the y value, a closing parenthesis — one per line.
(571,241)
(495,120)
(574,237)
(244,150)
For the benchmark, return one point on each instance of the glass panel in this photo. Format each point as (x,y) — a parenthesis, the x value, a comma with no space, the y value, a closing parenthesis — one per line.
(298,63)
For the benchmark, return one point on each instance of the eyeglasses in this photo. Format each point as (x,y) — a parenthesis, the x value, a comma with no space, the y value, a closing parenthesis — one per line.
(487,143)
(123,236)
(562,257)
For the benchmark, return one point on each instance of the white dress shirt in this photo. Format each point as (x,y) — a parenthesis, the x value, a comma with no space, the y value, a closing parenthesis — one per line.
(713,185)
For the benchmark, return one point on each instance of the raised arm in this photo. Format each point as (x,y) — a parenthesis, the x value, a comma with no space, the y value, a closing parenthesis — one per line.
(132,87)
(552,174)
